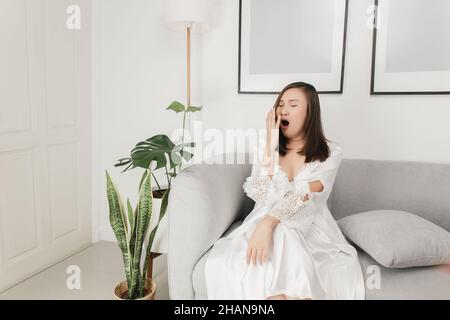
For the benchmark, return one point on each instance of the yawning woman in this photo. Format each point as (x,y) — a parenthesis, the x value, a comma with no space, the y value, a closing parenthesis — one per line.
(289,246)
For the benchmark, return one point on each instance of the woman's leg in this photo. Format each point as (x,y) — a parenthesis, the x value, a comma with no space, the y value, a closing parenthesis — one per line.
(277,297)
(296,298)
(283,296)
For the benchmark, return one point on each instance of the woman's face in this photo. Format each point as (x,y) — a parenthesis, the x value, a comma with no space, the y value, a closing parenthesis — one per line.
(292,110)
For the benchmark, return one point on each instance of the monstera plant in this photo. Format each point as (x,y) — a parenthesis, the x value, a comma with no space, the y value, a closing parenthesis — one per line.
(162,153)
(162,150)
(131,227)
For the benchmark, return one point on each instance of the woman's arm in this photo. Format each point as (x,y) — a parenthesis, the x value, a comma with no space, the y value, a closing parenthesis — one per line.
(260,185)
(260,242)
(297,205)
(272,221)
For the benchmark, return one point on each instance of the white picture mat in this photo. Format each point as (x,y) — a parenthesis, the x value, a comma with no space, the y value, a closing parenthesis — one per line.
(412,81)
(274,82)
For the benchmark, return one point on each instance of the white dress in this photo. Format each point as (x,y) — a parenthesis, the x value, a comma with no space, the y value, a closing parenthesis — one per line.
(310,257)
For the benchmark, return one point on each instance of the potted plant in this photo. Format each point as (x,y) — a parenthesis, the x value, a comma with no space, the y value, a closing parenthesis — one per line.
(160,149)
(165,153)
(130,227)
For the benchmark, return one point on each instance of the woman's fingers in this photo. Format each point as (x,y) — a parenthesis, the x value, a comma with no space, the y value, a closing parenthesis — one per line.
(264,256)
(254,256)
(257,255)
(260,256)
(270,119)
(257,252)
(277,125)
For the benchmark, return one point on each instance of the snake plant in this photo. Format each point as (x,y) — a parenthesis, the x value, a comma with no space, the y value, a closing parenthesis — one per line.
(130,228)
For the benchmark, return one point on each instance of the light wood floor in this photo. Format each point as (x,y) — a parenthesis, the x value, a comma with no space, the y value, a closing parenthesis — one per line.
(101,269)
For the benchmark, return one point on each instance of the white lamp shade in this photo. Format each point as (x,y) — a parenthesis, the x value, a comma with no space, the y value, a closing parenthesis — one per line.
(196,13)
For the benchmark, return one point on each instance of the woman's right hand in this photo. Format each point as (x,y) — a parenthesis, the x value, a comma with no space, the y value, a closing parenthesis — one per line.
(272,128)
(260,244)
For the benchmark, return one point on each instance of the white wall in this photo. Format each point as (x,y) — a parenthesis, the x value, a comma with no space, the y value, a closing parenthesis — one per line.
(139,67)
(374,127)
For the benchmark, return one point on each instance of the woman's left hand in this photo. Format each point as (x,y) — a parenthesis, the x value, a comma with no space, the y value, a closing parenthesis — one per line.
(260,243)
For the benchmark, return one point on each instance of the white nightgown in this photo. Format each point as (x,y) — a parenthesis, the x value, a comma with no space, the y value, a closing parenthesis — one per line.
(310,258)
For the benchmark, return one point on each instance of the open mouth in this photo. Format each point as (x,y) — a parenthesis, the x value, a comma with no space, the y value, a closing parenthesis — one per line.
(284,123)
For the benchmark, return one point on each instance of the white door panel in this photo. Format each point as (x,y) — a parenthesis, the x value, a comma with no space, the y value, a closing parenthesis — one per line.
(44,136)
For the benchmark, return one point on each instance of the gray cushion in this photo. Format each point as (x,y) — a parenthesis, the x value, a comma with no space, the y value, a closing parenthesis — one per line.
(398,239)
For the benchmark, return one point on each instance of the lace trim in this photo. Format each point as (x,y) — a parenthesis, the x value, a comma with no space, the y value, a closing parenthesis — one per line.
(303,168)
(264,189)
(303,219)
(293,210)
(267,190)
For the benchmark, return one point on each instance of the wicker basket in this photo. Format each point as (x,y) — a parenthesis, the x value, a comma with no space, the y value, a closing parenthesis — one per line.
(121,290)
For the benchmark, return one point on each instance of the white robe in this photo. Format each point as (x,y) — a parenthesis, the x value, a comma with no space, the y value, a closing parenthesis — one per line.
(310,257)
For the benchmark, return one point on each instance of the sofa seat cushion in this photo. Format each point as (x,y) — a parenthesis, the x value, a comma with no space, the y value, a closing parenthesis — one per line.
(422,283)
(198,275)
(407,283)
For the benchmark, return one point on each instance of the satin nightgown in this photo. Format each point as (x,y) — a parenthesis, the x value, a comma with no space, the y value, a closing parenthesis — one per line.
(310,258)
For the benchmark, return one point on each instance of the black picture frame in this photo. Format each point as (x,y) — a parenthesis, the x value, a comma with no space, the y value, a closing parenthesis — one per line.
(373,66)
(342,69)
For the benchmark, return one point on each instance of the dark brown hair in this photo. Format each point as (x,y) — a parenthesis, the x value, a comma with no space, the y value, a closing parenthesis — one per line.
(316,147)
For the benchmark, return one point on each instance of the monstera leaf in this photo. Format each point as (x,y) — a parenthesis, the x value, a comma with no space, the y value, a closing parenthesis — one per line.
(158,148)
(179,107)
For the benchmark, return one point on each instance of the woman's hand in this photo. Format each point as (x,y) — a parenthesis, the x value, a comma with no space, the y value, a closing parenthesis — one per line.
(260,243)
(272,129)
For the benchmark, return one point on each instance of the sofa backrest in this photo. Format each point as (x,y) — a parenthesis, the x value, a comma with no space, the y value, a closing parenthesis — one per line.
(417,187)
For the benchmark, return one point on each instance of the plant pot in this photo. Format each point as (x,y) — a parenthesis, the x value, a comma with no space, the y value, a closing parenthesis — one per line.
(121,290)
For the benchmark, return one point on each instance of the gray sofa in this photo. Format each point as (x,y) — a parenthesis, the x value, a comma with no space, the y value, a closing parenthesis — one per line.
(207,201)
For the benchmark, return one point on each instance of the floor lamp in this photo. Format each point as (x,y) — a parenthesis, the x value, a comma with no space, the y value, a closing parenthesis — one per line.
(190,16)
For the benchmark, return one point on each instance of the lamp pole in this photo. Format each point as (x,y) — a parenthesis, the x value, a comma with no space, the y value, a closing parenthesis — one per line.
(188,46)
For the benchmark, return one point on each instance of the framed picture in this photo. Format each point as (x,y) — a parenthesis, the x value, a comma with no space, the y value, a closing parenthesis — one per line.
(291,40)
(411,47)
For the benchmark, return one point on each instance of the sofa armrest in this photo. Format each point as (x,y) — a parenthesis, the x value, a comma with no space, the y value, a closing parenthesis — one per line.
(204,201)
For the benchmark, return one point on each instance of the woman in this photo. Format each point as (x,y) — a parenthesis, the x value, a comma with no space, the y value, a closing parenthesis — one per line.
(289,246)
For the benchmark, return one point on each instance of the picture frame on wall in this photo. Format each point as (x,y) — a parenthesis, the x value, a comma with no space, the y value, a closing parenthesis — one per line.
(411,47)
(290,41)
